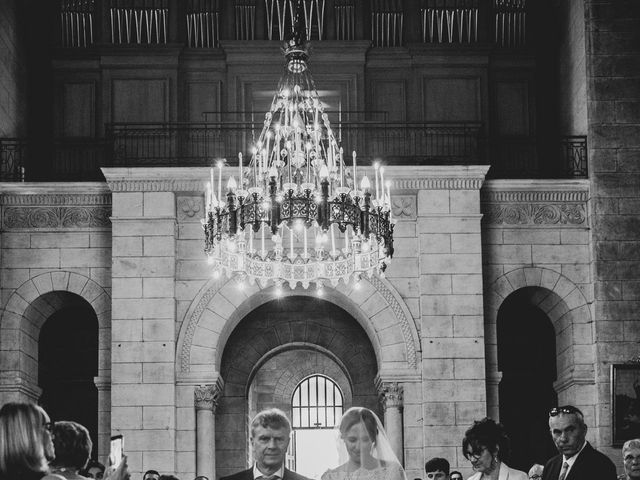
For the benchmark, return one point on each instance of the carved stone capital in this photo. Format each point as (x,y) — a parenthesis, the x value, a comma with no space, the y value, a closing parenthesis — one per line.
(391,394)
(206,397)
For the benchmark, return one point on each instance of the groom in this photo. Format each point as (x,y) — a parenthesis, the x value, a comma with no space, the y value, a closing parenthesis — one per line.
(270,431)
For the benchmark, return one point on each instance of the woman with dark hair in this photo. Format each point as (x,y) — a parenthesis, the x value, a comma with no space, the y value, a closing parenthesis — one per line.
(486,446)
(73,447)
(25,442)
(364,449)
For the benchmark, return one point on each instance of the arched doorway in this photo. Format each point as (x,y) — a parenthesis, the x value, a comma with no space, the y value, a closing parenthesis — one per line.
(68,361)
(527,360)
(273,349)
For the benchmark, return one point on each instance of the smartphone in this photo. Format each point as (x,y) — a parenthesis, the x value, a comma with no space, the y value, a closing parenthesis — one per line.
(116,450)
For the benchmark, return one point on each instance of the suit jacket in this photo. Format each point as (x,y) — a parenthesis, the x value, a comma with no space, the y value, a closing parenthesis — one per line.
(248,475)
(506,473)
(590,464)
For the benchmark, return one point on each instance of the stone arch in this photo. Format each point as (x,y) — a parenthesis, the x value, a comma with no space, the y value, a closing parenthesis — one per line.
(287,367)
(28,307)
(221,305)
(324,363)
(570,313)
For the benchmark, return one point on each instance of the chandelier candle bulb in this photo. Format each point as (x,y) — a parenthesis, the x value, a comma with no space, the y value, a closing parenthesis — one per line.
(213,185)
(240,170)
(220,180)
(355,178)
(382,194)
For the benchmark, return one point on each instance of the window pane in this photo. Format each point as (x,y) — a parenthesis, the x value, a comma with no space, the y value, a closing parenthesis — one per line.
(317,403)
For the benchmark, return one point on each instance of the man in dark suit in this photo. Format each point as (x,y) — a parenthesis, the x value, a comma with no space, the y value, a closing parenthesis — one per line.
(577,460)
(270,431)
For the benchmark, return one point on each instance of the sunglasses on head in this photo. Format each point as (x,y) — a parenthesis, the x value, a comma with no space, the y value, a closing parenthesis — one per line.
(568,409)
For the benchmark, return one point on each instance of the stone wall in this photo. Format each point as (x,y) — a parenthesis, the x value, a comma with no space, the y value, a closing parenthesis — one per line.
(613,96)
(429,325)
(55,239)
(536,234)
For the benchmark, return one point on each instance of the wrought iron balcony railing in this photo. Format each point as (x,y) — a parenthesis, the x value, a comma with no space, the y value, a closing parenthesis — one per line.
(200,144)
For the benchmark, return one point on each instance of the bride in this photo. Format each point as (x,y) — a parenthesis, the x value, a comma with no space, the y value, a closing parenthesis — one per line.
(364,449)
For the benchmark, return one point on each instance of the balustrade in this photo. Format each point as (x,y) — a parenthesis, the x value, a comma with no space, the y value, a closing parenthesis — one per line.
(199,144)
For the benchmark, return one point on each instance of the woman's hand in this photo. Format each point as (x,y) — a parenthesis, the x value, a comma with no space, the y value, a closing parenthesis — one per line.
(121,472)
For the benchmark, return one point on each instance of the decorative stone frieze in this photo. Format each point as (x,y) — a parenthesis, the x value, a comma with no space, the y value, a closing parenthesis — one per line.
(51,217)
(535,214)
(56,199)
(390,298)
(535,202)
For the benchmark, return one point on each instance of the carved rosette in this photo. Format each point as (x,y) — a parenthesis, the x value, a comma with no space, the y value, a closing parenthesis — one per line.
(391,395)
(403,206)
(206,397)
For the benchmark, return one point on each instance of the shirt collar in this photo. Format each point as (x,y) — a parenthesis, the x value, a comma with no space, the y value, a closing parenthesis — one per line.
(572,459)
(258,474)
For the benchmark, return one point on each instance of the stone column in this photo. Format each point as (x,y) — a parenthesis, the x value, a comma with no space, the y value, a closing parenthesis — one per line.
(206,401)
(391,399)
(103,384)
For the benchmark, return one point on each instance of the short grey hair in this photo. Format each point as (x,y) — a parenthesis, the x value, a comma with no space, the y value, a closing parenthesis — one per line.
(271,418)
(629,444)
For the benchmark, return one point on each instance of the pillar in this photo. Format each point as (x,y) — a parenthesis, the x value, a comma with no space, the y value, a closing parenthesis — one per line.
(103,385)
(391,399)
(205,401)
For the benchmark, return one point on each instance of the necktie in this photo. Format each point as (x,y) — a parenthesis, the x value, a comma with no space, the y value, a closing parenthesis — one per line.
(563,472)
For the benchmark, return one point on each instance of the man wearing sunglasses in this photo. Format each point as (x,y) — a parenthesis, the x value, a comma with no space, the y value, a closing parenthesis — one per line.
(577,460)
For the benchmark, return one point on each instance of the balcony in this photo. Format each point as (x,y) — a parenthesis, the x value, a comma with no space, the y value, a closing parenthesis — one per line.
(200,144)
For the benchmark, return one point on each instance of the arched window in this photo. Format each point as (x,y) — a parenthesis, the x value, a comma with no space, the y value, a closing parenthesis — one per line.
(317,403)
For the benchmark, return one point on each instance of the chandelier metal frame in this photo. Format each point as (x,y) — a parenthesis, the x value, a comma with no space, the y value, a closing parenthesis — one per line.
(296,215)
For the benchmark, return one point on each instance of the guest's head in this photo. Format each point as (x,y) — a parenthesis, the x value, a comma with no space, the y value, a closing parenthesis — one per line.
(270,431)
(93,469)
(485,445)
(151,475)
(455,475)
(568,429)
(535,472)
(631,459)
(437,469)
(72,445)
(25,440)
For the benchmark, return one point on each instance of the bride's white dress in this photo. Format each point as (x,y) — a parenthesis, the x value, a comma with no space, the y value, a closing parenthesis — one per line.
(388,471)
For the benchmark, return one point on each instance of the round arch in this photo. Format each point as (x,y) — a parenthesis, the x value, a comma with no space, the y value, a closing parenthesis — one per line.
(28,307)
(570,313)
(221,305)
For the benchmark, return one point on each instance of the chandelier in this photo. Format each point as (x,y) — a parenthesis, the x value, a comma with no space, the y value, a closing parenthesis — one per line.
(298,214)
